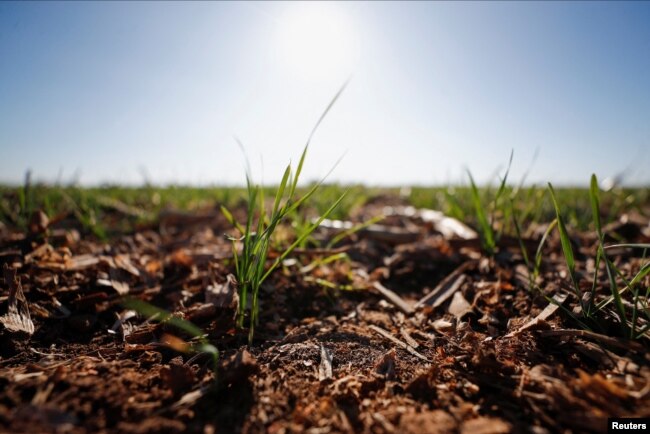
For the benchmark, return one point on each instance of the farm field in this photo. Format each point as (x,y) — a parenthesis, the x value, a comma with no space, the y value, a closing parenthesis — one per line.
(413,310)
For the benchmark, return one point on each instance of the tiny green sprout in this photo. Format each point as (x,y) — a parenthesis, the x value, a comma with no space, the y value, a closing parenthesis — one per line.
(489,237)
(567,249)
(602,255)
(251,268)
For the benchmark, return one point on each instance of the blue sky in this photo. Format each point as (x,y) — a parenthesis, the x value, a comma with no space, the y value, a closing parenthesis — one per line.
(121,91)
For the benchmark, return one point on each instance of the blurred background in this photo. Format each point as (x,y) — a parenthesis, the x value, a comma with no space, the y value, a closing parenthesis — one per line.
(133,93)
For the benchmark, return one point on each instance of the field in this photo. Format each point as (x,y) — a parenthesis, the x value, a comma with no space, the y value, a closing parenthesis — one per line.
(439,310)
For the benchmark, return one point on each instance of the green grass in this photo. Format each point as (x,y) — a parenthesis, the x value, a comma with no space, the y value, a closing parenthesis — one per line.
(532,204)
(251,266)
(485,214)
(256,234)
(565,241)
(617,282)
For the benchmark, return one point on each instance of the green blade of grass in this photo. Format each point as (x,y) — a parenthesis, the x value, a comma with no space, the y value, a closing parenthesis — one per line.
(485,227)
(291,208)
(162,315)
(628,245)
(595,211)
(229,217)
(643,331)
(280,193)
(210,349)
(524,251)
(643,272)
(595,206)
(300,164)
(620,307)
(261,219)
(247,163)
(251,263)
(632,286)
(609,267)
(540,247)
(568,312)
(495,203)
(354,229)
(311,136)
(324,114)
(502,186)
(296,243)
(454,207)
(565,241)
(324,261)
(594,283)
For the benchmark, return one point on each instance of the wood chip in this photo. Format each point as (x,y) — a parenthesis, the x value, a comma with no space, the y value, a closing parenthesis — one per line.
(449,227)
(393,298)
(385,424)
(408,338)
(190,397)
(442,325)
(122,288)
(485,425)
(449,291)
(82,262)
(385,366)
(542,317)
(17,318)
(446,287)
(325,367)
(124,262)
(396,341)
(431,422)
(20,377)
(459,307)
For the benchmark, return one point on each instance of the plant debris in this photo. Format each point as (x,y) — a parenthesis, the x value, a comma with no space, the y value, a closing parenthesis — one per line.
(17,318)
(404,327)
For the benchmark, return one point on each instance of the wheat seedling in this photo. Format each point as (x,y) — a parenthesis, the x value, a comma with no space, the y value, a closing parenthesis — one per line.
(251,267)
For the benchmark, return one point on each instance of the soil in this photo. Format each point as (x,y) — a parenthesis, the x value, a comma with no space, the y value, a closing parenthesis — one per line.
(424,334)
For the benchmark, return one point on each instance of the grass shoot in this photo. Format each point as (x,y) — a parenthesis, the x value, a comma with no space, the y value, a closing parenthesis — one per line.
(486,216)
(250,262)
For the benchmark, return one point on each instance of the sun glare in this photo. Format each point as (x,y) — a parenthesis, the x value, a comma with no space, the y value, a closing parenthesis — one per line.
(316,41)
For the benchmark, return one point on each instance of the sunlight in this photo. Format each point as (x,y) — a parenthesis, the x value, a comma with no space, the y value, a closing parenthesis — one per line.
(316,41)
